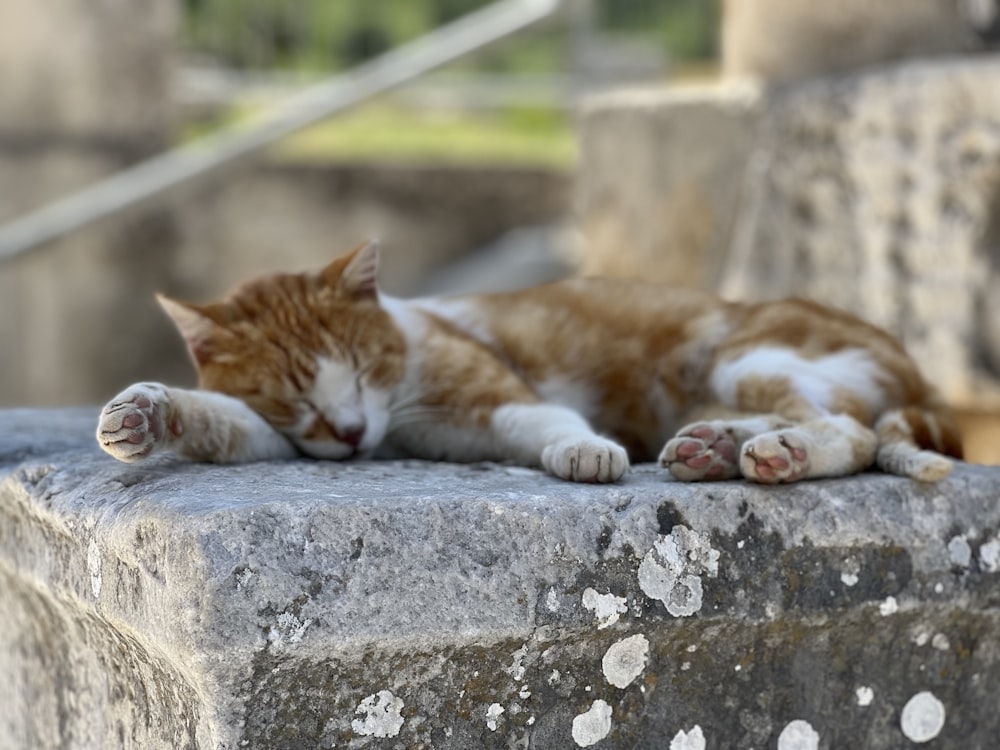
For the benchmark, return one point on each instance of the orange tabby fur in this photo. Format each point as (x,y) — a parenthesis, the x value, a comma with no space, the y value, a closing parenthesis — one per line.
(566,376)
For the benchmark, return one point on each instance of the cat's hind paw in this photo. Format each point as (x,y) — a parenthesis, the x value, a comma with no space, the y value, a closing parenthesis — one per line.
(775,457)
(702,451)
(134,423)
(592,459)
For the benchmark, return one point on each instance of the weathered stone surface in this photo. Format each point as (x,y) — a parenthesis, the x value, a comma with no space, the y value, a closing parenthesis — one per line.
(407,605)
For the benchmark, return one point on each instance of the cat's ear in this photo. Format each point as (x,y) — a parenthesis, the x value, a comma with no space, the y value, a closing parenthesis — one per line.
(355,273)
(196,328)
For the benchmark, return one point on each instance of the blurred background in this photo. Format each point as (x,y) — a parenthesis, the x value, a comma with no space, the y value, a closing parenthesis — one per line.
(848,151)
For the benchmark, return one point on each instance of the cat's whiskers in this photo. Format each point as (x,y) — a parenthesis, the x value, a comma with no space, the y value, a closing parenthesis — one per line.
(418,415)
(410,400)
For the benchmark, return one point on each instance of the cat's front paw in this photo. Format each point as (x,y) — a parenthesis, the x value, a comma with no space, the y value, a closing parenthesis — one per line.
(702,451)
(774,457)
(591,459)
(134,423)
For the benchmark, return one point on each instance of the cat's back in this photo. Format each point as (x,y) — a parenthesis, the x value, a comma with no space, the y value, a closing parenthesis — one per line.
(581,308)
(595,330)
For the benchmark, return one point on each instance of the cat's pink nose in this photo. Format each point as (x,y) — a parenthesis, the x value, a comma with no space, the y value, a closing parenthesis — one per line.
(351,434)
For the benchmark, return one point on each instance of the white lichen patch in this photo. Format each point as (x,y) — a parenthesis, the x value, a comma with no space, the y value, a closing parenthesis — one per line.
(798,735)
(923,717)
(625,660)
(940,642)
(593,725)
(607,608)
(94,568)
(382,715)
(517,668)
(693,740)
(865,696)
(552,601)
(492,715)
(850,572)
(671,571)
(888,607)
(959,551)
(290,629)
(989,556)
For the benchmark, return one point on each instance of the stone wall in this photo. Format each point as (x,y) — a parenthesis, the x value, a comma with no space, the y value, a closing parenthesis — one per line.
(421,605)
(84,92)
(661,180)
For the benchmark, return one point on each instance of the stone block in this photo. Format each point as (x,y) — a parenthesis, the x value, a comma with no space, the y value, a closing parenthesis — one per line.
(422,605)
(785,40)
(84,92)
(85,74)
(661,180)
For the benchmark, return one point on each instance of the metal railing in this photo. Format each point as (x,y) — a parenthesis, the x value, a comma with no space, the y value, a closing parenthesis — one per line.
(184,166)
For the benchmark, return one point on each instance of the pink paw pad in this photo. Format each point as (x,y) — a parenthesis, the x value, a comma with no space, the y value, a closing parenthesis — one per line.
(700,452)
(131,426)
(773,458)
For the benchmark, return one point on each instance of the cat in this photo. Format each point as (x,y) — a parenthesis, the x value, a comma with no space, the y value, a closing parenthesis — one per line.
(578,377)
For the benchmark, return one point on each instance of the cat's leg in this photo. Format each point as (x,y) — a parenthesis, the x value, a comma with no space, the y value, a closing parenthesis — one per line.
(709,450)
(770,449)
(147,418)
(560,440)
(830,446)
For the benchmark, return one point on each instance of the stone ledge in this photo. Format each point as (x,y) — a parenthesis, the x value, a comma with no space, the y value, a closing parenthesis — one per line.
(406,604)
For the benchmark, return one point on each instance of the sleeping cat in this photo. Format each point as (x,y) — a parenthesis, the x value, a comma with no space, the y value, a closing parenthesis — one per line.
(578,377)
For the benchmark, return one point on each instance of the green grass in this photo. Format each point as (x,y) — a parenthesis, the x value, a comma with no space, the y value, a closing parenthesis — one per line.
(389,133)
(384,133)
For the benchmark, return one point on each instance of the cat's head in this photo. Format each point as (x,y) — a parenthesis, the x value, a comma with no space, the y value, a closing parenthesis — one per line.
(315,354)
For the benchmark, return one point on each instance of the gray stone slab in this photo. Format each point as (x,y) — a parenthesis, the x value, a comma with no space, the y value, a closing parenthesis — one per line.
(406,604)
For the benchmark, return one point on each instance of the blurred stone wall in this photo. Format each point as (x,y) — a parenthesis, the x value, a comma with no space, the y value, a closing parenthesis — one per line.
(785,40)
(84,92)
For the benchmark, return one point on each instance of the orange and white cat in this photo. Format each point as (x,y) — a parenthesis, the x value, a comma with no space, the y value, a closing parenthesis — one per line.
(578,377)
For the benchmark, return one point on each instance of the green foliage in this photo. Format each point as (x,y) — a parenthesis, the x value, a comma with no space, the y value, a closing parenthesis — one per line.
(336,34)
